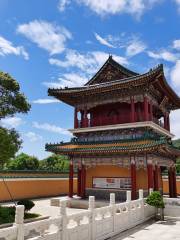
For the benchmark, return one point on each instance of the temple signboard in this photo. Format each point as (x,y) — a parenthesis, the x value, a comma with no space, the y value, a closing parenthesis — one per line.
(115,183)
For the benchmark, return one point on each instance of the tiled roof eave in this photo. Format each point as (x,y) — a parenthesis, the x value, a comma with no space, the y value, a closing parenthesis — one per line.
(121,82)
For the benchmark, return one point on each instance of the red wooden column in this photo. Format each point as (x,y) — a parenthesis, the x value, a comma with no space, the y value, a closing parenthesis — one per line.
(156,178)
(79,181)
(174,182)
(132,109)
(83,181)
(171,182)
(151,111)
(75,118)
(150,174)
(85,119)
(146,117)
(82,119)
(133,178)
(71,173)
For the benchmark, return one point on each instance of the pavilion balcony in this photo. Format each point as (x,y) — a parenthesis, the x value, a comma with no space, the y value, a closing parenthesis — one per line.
(156,126)
(95,122)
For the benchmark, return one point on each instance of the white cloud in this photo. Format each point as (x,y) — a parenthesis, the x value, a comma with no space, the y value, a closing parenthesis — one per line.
(33,137)
(67,80)
(11,122)
(7,48)
(112,7)
(51,128)
(164,55)
(176,44)
(175,75)
(89,62)
(135,47)
(46,35)
(63,4)
(103,41)
(178,4)
(174,121)
(45,101)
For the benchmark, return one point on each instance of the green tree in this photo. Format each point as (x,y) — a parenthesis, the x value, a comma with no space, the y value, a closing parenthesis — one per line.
(11,99)
(54,163)
(23,162)
(9,144)
(155,199)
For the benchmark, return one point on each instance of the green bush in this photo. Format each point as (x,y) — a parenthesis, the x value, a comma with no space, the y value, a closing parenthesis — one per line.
(28,204)
(155,199)
(7,214)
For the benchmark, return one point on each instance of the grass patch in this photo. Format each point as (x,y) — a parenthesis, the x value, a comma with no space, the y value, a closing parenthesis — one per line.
(7,215)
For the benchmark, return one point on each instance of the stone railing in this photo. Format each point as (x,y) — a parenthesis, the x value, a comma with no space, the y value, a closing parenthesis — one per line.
(91,224)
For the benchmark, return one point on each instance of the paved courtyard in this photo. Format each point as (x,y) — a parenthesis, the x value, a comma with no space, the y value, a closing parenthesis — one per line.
(168,230)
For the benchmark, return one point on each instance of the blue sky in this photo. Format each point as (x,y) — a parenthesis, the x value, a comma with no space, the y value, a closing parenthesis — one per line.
(58,43)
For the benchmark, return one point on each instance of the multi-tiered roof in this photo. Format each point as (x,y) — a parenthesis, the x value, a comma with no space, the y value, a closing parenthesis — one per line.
(115,79)
(112,81)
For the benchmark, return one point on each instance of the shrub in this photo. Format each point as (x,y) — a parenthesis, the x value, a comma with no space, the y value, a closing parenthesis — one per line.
(7,214)
(28,204)
(155,199)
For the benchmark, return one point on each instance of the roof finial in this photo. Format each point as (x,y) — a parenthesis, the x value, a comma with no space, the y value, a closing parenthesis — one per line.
(110,56)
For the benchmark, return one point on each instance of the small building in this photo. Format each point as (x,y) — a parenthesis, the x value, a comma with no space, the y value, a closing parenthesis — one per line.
(122,137)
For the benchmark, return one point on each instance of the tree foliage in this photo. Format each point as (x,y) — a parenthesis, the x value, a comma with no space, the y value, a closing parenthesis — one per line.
(9,144)
(23,162)
(155,199)
(11,99)
(54,163)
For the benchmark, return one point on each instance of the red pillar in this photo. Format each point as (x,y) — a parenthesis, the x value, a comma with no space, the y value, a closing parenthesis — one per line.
(82,119)
(132,110)
(133,179)
(79,182)
(146,118)
(156,178)
(85,119)
(75,118)
(150,175)
(71,172)
(170,177)
(83,181)
(151,111)
(174,182)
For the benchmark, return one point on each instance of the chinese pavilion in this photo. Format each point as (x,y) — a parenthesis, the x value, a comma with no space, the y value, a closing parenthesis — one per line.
(122,137)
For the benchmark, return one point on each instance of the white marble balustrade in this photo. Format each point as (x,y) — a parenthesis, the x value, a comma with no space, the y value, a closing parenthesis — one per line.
(91,224)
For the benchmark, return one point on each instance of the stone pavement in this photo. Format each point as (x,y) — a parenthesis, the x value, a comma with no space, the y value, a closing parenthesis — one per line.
(43,208)
(167,230)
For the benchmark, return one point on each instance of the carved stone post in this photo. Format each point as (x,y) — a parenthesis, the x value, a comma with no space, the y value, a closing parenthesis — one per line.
(19,221)
(141,194)
(63,215)
(91,220)
(128,196)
